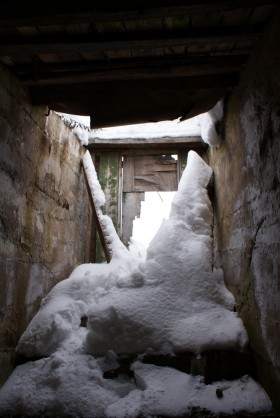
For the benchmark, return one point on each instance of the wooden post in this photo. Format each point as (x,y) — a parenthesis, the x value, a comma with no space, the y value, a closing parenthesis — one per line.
(98,222)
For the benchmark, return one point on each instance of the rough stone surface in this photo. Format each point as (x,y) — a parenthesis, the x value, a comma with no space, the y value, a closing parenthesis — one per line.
(247,204)
(45,216)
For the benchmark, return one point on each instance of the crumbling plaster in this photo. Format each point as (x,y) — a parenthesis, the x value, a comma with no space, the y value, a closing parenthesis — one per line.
(247,203)
(45,216)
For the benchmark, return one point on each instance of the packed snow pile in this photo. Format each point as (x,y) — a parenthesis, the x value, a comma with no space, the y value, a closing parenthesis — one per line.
(169,301)
(166,303)
(72,385)
(173,302)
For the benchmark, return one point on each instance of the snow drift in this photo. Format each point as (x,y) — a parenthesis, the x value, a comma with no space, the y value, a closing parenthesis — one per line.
(165,304)
(168,303)
(175,301)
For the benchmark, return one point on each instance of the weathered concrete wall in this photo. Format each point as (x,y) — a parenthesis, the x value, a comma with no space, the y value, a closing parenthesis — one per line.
(247,204)
(45,216)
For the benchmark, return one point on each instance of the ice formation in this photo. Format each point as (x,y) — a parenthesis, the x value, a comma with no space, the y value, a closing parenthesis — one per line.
(174,301)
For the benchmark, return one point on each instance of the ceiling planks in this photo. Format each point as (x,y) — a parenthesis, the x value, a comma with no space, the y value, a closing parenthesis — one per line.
(65,12)
(130,62)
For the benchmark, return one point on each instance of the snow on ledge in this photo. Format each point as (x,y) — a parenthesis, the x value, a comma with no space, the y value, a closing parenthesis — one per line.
(203,125)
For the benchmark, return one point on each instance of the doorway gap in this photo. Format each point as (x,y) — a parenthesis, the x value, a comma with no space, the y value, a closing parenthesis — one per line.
(154,210)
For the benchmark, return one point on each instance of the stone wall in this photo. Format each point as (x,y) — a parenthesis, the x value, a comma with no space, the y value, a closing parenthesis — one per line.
(45,216)
(247,203)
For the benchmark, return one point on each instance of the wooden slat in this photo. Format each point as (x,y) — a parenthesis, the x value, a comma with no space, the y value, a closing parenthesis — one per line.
(63,12)
(92,64)
(144,142)
(128,74)
(131,88)
(128,174)
(170,66)
(199,148)
(149,173)
(117,43)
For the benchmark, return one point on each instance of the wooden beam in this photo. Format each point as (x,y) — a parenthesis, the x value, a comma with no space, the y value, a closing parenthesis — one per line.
(148,146)
(29,13)
(143,143)
(96,217)
(160,149)
(140,101)
(98,224)
(131,74)
(42,45)
(132,71)
(222,58)
(153,150)
(98,91)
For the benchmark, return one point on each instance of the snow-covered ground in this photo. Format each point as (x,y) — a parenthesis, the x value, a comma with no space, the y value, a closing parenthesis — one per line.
(172,302)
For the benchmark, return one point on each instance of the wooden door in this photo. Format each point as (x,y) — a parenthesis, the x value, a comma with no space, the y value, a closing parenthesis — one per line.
(144,174)
(149,173)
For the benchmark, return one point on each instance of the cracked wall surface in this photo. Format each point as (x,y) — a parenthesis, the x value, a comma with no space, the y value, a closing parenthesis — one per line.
(45,216)
(247,203)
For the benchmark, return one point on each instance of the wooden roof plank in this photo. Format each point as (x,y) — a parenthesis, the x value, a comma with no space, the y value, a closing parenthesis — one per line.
(144,142)
(42,94)
(124,64)
(63,12)
(137,73)
(126,102)
(134,79)
(152,150)
(78,44)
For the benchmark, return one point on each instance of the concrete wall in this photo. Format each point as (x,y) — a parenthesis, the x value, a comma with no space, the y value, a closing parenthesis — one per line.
(247,203)
(45,216)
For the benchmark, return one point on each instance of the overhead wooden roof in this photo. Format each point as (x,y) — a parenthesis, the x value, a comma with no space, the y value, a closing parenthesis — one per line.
(130,61)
